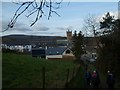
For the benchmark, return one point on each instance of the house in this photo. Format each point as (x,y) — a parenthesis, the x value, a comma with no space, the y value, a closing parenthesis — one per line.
(38,52)
(59,53)
(53,53)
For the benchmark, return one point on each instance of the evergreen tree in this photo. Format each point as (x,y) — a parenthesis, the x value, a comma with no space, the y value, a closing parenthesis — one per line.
(77,44)
(107,23)
(109,58)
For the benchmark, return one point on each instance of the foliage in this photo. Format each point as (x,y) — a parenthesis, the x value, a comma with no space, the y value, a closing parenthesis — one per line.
(77,44)
(109,54)
(7,50)
(107,22)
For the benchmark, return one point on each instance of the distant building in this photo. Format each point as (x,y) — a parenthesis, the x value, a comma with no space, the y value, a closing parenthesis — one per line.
(90,48)
(38,52)
(53,53)
(44,41)
(64,42)
(90,44)
(69,35)
(59,53)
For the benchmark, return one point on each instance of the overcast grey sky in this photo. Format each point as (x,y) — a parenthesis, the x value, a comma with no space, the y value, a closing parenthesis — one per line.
(72,16)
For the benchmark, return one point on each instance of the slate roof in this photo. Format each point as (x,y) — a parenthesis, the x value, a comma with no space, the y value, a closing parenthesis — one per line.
(55,50)
(38,52)
(49,51)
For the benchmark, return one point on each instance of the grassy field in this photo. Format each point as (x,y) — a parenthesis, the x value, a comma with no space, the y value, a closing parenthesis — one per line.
(79,80)
(24,71)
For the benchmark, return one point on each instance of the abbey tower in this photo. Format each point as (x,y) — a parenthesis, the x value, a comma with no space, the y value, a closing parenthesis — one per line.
(69,35)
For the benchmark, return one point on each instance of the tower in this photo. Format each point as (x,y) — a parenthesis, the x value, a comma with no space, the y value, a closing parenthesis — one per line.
(69,35)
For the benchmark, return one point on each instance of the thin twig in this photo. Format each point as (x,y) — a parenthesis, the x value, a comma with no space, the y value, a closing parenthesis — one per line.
(37,8)
(40,8)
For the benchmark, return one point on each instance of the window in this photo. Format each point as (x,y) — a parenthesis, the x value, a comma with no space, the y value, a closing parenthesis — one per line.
(67,51)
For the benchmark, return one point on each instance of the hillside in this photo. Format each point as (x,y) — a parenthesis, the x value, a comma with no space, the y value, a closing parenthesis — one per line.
(28,39)
(24,71)
(40,40)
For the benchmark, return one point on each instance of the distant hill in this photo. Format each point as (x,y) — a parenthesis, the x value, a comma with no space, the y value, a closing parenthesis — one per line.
(28,39)
(40,40)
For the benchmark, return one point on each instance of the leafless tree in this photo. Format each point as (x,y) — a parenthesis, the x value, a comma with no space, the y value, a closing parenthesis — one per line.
(36,8)
(91,25)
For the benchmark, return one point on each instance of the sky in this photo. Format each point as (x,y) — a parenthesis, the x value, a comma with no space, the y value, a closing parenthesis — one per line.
(72,15)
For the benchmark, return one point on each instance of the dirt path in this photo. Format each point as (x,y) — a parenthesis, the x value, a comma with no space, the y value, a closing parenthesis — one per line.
(101,76)
(79,80)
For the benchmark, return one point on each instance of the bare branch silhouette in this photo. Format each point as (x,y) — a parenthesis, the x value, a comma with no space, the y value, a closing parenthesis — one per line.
(37,8)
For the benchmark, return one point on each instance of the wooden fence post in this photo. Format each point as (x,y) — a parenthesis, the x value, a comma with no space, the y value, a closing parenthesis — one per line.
(43,71)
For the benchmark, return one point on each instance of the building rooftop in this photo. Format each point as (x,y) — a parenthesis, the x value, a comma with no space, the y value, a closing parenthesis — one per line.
(55,50)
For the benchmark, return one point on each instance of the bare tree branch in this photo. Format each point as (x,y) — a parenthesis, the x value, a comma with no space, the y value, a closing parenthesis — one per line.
(37,8)
(50,10)
(56,13)
(16,15)
(37,17)
(31,13)
(92,25)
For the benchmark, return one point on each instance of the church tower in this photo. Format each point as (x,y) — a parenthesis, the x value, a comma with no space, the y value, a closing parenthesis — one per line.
(69,35)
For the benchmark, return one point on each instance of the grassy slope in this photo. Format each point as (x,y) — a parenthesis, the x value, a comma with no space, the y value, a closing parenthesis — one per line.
(78,81)
(23,71)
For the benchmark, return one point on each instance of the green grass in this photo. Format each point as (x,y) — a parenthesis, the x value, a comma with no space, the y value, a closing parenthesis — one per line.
(24,71)
(78,81)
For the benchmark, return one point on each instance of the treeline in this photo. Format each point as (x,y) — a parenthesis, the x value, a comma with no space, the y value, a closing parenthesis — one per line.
(109,45)
(7,50)
(77,41)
